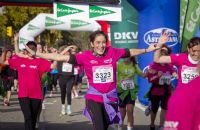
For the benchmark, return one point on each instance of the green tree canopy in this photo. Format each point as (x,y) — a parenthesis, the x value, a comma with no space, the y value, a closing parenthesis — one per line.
(18,16)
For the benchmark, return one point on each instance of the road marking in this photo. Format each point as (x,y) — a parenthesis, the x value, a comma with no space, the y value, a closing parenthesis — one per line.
(141,107)
(46,102)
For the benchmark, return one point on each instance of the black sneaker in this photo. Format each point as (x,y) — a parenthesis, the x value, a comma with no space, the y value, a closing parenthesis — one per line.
(147,111)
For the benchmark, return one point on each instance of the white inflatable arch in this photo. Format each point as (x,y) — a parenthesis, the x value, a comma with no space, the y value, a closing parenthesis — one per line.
(49,21)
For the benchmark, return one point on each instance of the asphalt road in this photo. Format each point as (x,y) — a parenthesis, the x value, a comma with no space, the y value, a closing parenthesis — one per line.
(11,117)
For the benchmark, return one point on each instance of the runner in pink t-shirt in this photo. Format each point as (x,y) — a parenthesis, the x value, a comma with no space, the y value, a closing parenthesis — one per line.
(183,105)
(100,68)
(186,62)
(27,69)
(30,70)
(160,75)
(184,108)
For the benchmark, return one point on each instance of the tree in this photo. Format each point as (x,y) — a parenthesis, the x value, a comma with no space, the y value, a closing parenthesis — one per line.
(18,16)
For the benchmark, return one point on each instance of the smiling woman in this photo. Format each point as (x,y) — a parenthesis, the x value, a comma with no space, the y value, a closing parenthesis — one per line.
(186,62)
(100,67)
(182,99)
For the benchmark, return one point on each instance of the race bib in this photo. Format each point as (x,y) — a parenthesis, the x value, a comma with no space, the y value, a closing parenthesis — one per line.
(188,73)
(165,79)
(66,67)
(102,74)
(127,84)
(75,71)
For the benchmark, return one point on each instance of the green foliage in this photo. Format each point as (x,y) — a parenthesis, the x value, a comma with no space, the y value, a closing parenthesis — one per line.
(18,16)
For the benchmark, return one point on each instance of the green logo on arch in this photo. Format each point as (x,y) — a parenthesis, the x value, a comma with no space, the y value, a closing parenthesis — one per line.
(78,23)
(32,27)
(96,11)
(23,40)
(63,10)
(52,22)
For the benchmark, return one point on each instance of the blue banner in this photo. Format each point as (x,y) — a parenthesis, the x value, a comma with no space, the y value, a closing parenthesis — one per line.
(155,16)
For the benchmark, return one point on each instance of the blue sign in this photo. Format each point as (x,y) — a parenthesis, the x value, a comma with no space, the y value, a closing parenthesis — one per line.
(155,17)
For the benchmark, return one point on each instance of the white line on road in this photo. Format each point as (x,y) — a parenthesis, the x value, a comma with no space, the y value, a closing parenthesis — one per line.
(141,107)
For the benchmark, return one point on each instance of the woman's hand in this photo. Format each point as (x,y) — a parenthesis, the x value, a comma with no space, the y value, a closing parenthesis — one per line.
(152,47)
(164,37)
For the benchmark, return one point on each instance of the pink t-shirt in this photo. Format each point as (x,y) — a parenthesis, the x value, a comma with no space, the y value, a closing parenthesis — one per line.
(29,75)
(100,71)
(154,69)
(184,108)
(186,70)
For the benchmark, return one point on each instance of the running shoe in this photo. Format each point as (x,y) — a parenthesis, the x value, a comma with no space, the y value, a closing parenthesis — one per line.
(147,111)
(69,112)
(63,112)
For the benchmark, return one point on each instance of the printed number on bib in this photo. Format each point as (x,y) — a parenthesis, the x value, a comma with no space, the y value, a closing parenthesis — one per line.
(127,84)
(102,74)
(165,79)
(188,73)
(75,71)
(66,67)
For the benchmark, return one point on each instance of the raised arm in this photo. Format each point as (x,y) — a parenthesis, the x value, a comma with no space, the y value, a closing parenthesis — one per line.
(49,56)
(67,49)
(135,52)
(161,59)
(16,46)
(157,55)
(3,55)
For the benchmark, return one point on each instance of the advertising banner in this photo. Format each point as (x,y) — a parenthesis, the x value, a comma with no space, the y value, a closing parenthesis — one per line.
(190,20)
(49,21)
(92,12)
(155,17)
(125,34)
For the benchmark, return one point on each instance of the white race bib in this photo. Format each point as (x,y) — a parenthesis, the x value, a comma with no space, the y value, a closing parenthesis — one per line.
(66,67)
(102,74)
(188,73)
(165,79)
(127,84)
(75,71)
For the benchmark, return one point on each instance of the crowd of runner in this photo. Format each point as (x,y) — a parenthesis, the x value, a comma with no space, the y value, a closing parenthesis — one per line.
(112,91)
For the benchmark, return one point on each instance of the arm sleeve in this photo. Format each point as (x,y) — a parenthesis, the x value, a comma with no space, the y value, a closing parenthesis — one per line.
(175,59)
(127,53)
(120,53)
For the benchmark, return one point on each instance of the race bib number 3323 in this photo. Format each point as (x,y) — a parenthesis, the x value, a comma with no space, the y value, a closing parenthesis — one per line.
(102,74)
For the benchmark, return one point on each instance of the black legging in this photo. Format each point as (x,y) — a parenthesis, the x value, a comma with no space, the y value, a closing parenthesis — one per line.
(8,83)
(98,115)
(30,108)
(54,78)
(66,85)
